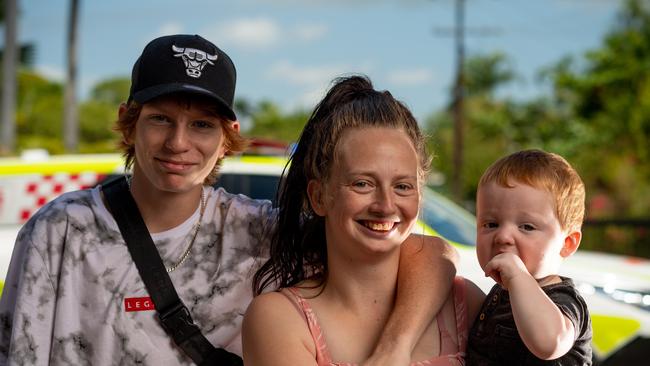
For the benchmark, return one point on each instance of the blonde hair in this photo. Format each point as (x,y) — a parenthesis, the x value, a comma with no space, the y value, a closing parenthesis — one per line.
(546,171)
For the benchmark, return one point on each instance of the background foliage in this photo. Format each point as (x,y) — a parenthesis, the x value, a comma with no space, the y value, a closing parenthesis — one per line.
(596,114)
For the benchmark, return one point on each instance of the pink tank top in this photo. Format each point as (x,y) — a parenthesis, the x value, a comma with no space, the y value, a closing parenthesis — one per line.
(452,351)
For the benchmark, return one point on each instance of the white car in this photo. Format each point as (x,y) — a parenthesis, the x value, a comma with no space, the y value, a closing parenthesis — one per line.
(616,288)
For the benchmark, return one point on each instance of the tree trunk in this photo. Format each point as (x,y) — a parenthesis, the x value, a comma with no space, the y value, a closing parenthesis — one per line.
(9,62)
(70,116)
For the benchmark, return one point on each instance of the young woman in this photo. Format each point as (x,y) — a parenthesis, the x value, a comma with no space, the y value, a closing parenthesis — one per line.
(351,197)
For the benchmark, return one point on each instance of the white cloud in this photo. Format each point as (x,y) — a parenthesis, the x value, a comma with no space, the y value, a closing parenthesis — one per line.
(169,28)
(51,72)
(410,77)
(306,99)
(310,32)
(84,82)
(248,33)
(309,75)
(263,32)
(310,82)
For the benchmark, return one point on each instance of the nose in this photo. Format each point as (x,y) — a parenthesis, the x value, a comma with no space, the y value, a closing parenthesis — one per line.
(383,202)
(178,139)
(504,236)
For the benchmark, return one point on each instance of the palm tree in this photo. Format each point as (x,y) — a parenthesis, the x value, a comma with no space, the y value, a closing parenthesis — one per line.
(9,78)
(70,115)
(11,55)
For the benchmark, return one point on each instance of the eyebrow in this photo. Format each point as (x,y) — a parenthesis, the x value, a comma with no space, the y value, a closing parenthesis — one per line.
(372,174)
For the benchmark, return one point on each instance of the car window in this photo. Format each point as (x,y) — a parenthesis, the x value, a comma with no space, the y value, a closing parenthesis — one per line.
(448,219)
(252,185)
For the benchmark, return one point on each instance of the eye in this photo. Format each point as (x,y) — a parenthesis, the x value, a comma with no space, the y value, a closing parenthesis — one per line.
(203,124)
(490,225)
(527,227)
(159,118)
(404,188)
(361,186)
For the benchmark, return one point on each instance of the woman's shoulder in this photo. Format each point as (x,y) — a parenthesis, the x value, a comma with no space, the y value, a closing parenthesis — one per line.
(269,302)
(277,308)
(274,321)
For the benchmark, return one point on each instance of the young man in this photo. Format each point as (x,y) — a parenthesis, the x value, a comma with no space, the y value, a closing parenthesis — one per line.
(529,211)
(73,294)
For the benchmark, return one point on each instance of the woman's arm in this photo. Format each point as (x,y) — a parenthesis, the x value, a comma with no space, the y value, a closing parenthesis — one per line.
(274,333)
(426,272)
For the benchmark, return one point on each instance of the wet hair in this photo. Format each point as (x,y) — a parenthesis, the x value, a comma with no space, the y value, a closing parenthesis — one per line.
(546,171)
(125,125)
(298,247)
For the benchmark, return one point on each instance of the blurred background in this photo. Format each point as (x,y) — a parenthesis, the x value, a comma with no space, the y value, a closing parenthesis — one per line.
(483,77)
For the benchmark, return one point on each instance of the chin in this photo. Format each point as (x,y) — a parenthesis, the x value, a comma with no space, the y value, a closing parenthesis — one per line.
(383,246)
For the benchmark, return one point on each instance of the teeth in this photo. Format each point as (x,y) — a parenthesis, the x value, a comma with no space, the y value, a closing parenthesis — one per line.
(379,226)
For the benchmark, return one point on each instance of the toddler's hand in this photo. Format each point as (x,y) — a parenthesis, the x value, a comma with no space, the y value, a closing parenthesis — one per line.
(504,267)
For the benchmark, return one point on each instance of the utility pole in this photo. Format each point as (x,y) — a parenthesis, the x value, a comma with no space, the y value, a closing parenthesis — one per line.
(9,62)
(70,115)
(459,31)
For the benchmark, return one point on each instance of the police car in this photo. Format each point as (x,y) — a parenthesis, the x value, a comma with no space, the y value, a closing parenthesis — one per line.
(617,288)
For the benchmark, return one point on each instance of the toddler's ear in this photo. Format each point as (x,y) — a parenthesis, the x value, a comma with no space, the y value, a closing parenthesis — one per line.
(571,243)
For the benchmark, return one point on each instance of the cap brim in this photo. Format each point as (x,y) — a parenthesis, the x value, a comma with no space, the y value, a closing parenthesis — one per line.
(146,95)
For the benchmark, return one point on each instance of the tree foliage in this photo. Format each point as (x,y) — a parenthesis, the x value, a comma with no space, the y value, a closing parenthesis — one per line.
(597,116)
(609,97)
(269,121)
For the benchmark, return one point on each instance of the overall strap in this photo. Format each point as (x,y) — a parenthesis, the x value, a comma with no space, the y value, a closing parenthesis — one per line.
(172,313)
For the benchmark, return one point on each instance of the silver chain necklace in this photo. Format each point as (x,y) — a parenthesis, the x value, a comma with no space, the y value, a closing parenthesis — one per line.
(197,227)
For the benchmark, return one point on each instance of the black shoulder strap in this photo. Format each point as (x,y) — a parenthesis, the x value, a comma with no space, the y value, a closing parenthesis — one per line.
(173,314)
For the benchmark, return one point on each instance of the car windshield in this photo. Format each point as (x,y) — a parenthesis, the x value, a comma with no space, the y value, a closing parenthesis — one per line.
(448,219)
(261,187)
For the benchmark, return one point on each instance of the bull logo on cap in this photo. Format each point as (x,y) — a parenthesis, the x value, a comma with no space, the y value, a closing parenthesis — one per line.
(194,60)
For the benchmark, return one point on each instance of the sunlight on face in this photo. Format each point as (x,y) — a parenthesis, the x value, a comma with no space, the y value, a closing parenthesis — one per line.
(176,145)
(372,197)
(520,220)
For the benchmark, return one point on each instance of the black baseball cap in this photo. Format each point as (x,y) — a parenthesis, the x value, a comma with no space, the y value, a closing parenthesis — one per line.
(184,63)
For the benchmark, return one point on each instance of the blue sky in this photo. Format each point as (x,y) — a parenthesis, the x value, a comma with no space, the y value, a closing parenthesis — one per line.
(287,51)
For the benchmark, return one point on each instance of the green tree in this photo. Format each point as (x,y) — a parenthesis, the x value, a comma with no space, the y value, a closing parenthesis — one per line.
(608,96)
(38,113)
(597,116)
(268,121)
(97,115)
(111,91)
(40,107)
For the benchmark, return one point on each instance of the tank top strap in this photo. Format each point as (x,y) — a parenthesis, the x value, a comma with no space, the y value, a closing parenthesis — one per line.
(303,307)
(448,345)
(460,306)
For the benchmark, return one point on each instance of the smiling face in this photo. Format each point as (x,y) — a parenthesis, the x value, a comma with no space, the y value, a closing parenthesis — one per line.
(521,220)
(371,198)
(177,144)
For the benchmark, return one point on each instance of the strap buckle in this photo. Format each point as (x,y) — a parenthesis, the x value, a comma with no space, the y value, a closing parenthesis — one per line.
(178,322)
